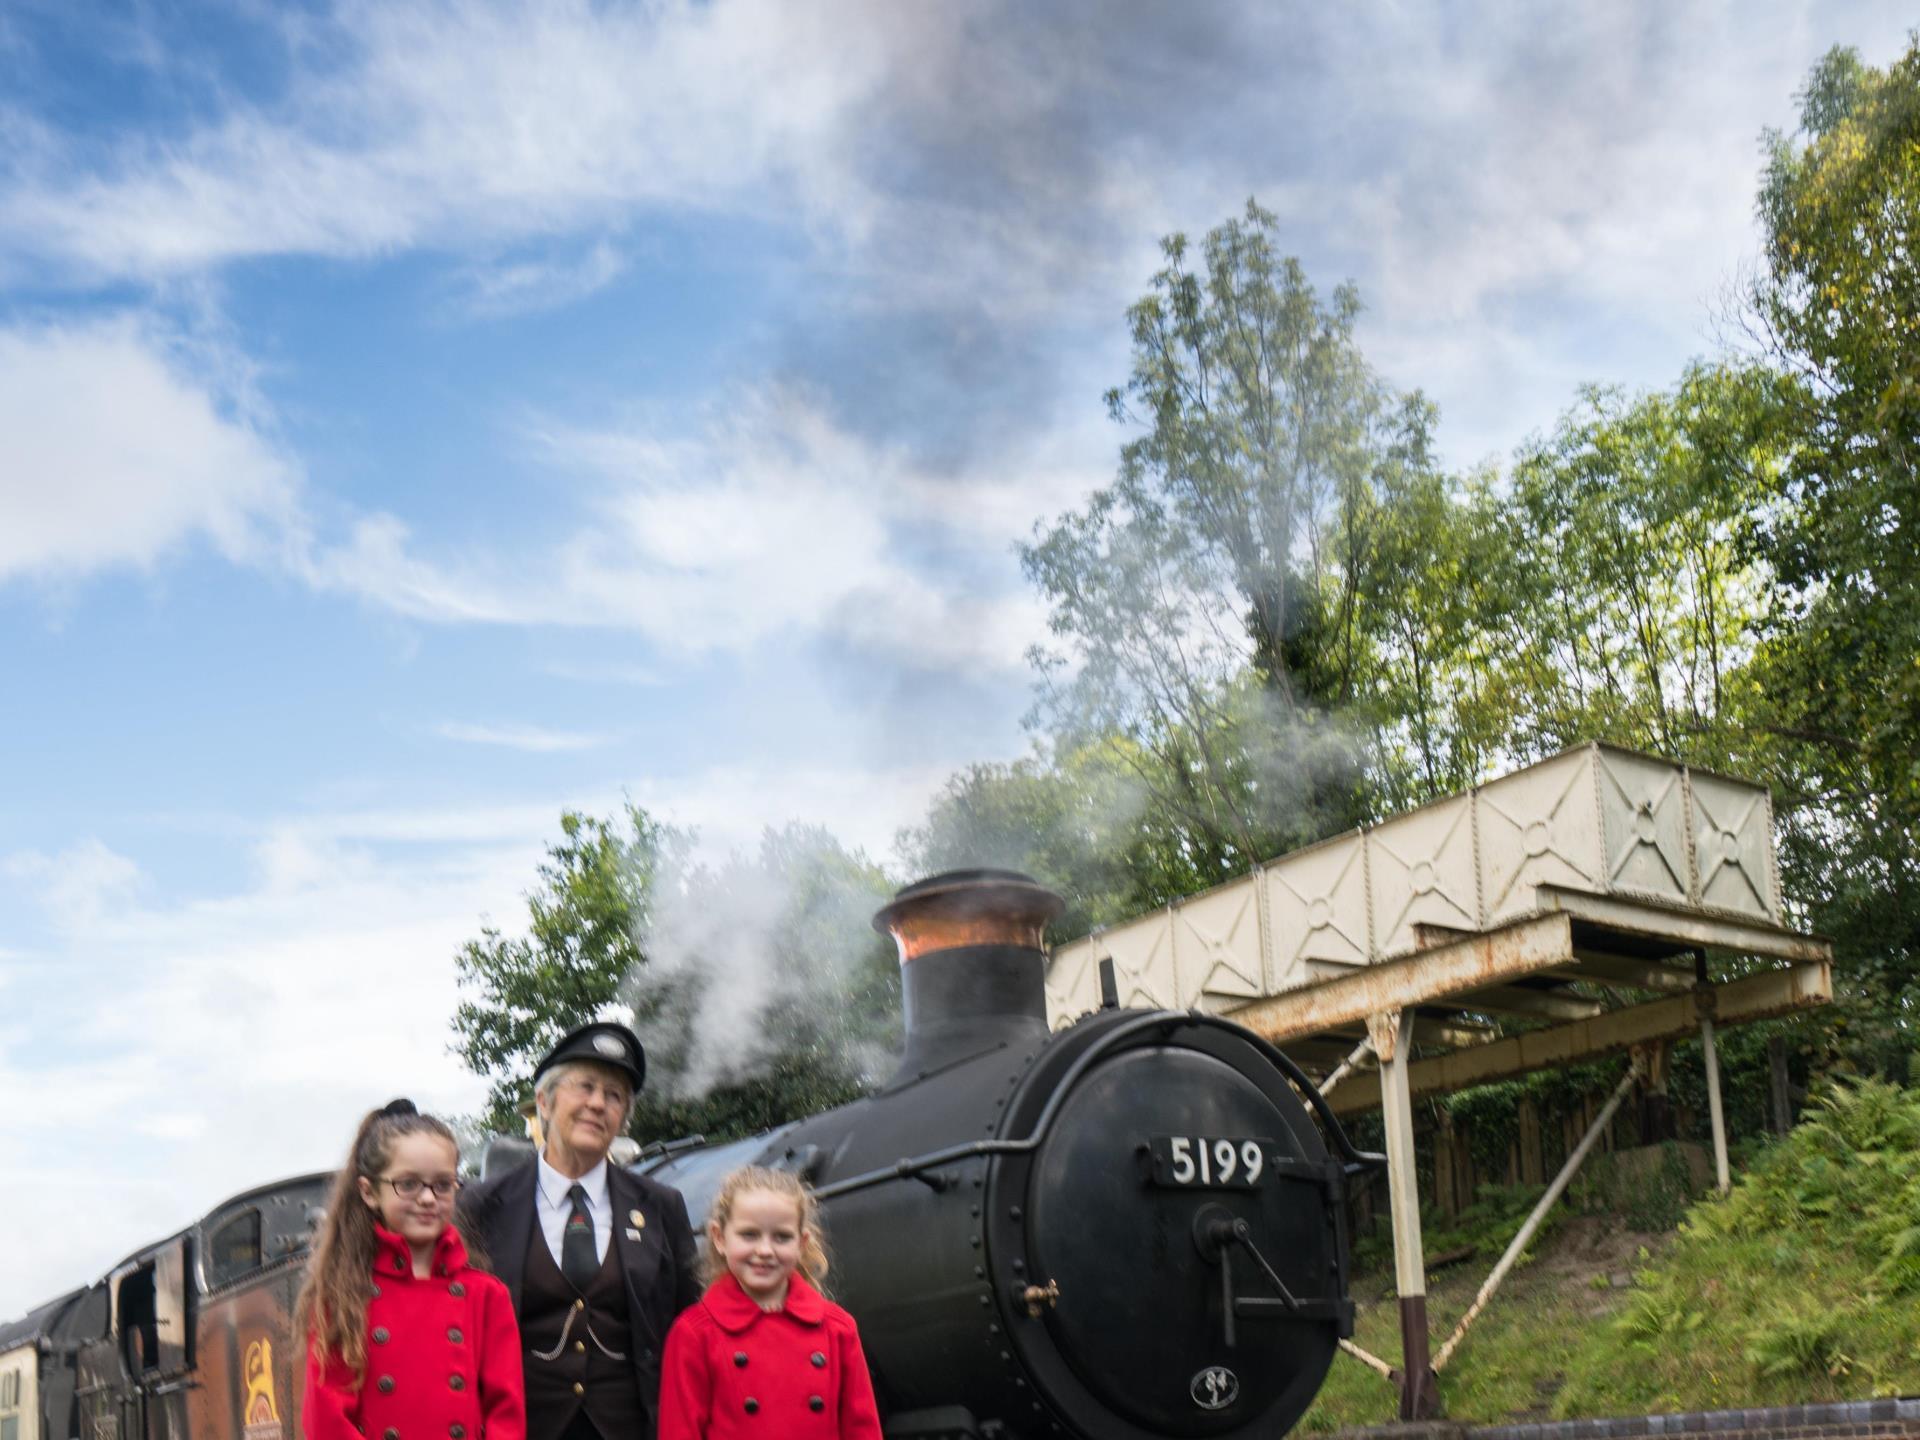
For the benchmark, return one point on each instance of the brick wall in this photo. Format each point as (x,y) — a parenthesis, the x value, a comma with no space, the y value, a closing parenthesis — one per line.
(1846,1420)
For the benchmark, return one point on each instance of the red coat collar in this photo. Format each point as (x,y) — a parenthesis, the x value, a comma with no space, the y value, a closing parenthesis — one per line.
(734,1310)
(393,1256)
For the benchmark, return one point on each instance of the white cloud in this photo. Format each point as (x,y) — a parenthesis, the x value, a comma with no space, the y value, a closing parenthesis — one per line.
(1524,205)
(516,286)
(451,122)
(1527,206)
(772,522)
(79,885)
(531,738)
(208,1044)
(731,805)
(172,1125)
(116,455)
(605,672)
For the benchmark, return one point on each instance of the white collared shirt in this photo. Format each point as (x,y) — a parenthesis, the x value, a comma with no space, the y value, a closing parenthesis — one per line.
(552,1207)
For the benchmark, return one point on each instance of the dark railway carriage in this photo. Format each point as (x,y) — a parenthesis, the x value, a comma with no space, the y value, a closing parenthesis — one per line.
(186,1339)
(36,1369)
(252,1255)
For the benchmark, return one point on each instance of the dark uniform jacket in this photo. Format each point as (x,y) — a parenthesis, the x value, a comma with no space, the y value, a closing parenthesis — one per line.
(443,1357)
(735,1372)
(658,1266)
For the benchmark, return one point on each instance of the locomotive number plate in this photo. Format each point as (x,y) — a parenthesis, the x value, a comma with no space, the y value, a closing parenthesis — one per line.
(1215,1162)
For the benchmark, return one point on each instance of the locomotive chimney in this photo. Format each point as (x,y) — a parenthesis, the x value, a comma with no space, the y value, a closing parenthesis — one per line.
(973,971)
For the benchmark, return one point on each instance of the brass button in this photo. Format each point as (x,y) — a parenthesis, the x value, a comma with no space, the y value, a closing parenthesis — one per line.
(454,1334)
(380,1335)
(815,1403)
(740,1358)
(580,1345)
(819,1360)
(578,1388)
(579,1304)
(456,1289)
(753,1406)
(386,1384)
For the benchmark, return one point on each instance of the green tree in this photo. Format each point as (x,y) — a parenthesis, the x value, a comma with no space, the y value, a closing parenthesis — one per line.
(580,958)
(1439,601)
(1634,591)
(1839,303)
(1207,604)
(1078,821)
(758,989)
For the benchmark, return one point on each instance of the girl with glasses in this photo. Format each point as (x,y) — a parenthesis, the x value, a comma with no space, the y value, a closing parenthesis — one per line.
(406,1336)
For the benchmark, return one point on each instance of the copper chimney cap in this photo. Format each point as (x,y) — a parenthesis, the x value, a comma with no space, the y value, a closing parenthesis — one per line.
(968,907)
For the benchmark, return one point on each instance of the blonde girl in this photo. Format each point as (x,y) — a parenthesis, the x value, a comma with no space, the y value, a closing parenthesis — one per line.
(406,1339)
(764,1352)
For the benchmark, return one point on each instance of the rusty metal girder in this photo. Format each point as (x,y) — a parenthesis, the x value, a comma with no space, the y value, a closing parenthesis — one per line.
(1544,1004)
(1756,997)
(1473,962)
(1679,925)
(1634,974)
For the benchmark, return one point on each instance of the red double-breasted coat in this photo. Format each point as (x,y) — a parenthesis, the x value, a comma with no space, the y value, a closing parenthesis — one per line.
(736,1372)
(443,1357)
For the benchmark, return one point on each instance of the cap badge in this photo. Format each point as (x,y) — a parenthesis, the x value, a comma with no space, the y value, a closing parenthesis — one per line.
(609,1046)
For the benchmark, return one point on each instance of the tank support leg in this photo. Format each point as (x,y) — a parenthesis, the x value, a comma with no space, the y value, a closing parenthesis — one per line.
(1716,1113)
(1392,1036)
(1517,1246)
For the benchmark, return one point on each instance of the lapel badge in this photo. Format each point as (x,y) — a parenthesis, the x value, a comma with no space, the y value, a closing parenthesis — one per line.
(636,1219)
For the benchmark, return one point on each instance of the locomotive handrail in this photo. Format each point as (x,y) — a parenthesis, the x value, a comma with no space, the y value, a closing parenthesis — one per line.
(667,1149)
(1168,1020)
(1356,1159)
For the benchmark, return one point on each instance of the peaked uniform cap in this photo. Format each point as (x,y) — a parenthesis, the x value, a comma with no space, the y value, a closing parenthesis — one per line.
(605,1043)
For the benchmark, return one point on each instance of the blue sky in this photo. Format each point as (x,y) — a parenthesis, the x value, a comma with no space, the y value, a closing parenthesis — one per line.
(423,415)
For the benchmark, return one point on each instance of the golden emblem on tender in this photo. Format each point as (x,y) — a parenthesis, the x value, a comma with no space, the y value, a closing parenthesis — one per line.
(262,1410)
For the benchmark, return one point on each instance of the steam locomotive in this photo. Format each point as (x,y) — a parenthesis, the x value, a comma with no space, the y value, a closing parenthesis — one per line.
(1129,1229)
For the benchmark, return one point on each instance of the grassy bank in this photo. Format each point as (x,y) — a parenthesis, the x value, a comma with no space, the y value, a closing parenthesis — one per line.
(1802,1285)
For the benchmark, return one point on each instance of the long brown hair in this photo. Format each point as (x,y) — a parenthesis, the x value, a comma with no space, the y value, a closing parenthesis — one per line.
(745,1180)
(331,1312)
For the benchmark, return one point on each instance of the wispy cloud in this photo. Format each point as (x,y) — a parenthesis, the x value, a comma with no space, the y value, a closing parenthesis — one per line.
(770,521)
(79,885)
(120,450)
(729,806)
(543,282)
(252,1003)
(436,122)
(607,672)
(766,518)
(531,738)
(1525,205)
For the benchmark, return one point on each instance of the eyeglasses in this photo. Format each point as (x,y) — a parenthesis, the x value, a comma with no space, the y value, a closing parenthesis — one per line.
(617,1097)
(408,1187)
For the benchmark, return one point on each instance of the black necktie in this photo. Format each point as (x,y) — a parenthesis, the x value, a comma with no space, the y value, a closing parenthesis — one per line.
(577,1258)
